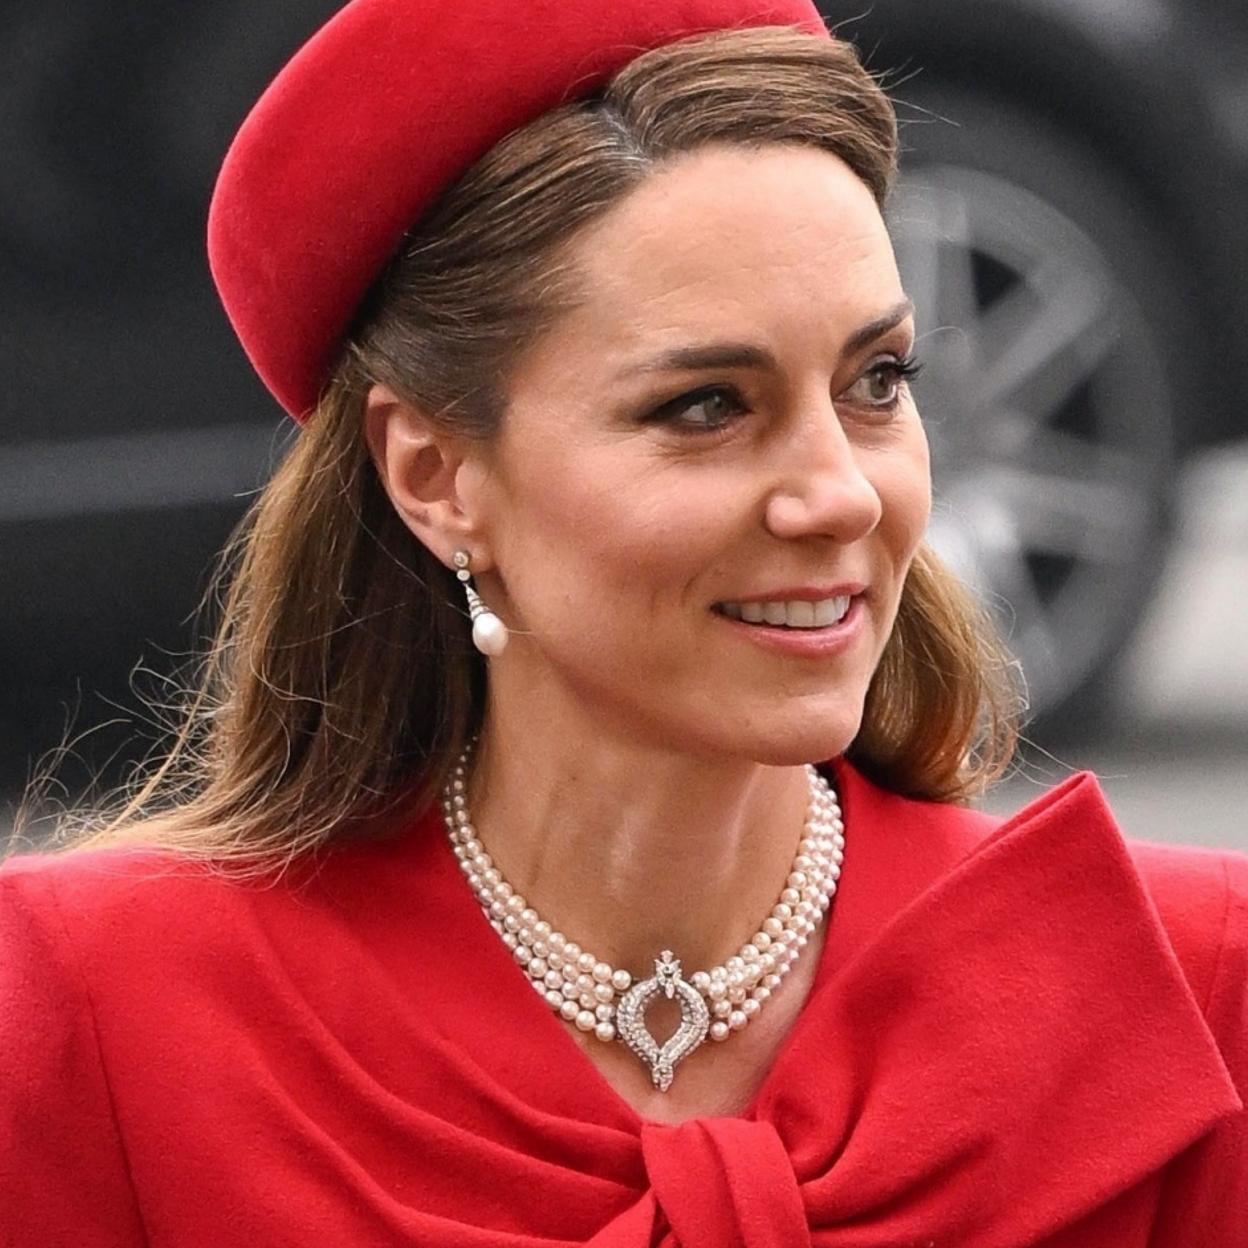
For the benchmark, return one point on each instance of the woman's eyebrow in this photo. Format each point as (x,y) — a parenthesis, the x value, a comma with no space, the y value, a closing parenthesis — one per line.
(748,355)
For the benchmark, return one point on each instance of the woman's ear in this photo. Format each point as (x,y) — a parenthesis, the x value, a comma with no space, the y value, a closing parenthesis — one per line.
(422,471)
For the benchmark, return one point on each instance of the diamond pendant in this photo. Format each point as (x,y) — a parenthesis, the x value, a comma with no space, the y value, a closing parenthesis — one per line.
(695,1020)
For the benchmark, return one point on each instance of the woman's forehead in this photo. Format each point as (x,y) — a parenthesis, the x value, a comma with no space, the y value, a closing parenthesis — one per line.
(724,231)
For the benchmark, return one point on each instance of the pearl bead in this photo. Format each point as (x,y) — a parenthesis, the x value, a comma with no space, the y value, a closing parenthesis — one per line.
(721,1009)
(538,968)
(557,941)
(622,981)
(601,972)
(586,962)
(489,634)
(719,1030)
(571,951)
(761,993)
(569,1010)
(554,1000)
(604,992)
(529,917)
(553,979)
(717,991)
(701,981)
(604,1013)
(750,1007)
(586,1021)
(542,929)
(605,1032)
(737,1020)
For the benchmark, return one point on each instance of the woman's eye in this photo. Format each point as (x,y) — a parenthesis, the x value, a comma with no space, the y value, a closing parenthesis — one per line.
(883,381)
(710,409)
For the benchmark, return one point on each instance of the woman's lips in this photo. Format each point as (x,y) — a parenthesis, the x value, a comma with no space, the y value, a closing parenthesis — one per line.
(808,642)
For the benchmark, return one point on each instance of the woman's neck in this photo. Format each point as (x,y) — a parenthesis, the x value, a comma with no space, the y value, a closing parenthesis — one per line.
(629,850)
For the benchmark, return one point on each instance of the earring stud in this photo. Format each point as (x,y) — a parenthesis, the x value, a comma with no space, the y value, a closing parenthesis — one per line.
(489,633)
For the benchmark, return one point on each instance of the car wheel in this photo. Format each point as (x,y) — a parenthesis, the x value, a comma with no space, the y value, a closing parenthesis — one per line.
(1053,339)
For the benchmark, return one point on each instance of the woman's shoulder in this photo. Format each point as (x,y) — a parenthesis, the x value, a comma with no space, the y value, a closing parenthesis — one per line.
(1199,894)
(115,908)
(103,886)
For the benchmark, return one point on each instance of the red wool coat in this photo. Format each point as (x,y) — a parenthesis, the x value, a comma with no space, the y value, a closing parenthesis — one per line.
(1021,1034)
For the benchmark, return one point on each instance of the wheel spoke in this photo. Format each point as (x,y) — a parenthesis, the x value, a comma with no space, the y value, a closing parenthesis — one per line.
(1096,521)
(1042,340)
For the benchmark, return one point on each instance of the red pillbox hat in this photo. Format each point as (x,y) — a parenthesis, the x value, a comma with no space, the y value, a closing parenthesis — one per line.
(386,105)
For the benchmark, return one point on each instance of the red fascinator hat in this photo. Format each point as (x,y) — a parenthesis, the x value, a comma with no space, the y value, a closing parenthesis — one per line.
(386,105)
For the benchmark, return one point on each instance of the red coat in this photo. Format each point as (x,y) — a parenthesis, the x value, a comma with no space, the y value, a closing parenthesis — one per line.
(1030,1033)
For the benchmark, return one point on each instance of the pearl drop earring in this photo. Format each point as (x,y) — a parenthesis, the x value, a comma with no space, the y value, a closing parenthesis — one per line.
(489,633)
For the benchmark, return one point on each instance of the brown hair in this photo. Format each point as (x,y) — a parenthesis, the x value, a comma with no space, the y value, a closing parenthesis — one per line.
(342,679)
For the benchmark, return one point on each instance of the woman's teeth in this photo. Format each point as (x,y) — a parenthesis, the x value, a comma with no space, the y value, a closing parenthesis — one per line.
(789,614)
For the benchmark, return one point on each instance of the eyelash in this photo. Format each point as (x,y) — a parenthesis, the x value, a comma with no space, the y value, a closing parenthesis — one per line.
(905,369)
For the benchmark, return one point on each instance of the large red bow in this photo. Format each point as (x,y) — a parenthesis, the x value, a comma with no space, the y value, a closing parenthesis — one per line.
(1008,1054)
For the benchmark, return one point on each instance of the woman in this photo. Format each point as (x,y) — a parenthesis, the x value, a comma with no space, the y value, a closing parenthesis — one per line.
(601,353)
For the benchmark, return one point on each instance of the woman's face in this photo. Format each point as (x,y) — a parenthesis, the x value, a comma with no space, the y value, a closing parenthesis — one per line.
(628,498)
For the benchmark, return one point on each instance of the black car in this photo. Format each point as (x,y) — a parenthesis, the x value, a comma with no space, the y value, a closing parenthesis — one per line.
(1070,220)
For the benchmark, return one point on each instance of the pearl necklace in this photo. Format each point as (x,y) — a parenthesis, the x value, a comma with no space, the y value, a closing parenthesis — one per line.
(583,988)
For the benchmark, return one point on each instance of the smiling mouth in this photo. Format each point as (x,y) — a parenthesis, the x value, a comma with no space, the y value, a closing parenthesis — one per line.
(786,616)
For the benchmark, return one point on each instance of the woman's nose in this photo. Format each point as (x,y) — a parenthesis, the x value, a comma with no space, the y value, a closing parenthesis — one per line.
(823,490)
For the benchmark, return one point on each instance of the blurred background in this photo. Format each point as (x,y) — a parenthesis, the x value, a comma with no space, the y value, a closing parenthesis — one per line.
(1070,221)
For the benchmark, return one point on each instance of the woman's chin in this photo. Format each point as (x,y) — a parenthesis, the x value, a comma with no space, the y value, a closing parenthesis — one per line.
(805,738)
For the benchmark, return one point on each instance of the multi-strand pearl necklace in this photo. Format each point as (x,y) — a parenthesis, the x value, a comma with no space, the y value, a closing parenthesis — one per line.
(583,988)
